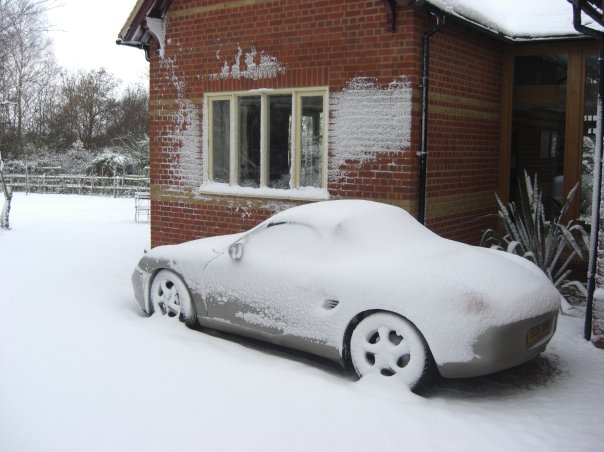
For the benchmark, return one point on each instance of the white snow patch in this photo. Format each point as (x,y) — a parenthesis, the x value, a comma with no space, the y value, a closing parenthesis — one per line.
(185,136)
(266,319)
(187,163)
(276,206)
(258,65)
(517,19)
(169,65)
(367,120)
(79,360)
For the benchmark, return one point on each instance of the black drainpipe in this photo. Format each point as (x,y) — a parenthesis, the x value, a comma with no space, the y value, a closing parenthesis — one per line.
(423,153)
(597,184)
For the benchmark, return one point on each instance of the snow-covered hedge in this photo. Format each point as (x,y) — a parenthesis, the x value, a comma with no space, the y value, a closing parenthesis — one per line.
(126,157)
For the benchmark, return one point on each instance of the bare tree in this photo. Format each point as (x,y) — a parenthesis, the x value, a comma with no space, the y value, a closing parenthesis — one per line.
(131,118)
(49,110)
(44,104)
(27,65)
(87,108)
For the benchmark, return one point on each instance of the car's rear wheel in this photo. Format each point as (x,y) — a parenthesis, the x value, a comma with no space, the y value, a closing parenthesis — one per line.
(387,344)
(169,295)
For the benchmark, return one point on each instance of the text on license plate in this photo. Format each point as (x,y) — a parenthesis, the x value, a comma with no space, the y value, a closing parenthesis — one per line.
(538,332)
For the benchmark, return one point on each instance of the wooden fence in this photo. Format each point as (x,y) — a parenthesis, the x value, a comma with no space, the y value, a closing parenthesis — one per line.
(118,186)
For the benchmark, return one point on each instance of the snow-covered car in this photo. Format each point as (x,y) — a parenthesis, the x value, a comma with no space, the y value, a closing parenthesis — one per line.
(361,283)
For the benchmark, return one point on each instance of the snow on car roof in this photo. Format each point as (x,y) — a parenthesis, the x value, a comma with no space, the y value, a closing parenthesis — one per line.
(364,215)
(517,19)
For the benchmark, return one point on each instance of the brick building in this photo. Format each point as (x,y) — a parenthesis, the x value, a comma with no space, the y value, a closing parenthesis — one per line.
(260,105)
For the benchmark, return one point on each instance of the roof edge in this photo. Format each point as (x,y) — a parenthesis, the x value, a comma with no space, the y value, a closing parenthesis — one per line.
(127,25)
(134,30)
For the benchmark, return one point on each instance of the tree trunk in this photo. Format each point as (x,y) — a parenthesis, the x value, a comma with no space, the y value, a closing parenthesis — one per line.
(8,196)
(4,218)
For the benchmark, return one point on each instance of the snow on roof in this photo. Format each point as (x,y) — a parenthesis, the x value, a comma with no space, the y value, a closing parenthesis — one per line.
(517,19)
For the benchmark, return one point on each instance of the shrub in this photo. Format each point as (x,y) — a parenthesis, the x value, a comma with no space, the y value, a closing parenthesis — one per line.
(549,244)
(111,163)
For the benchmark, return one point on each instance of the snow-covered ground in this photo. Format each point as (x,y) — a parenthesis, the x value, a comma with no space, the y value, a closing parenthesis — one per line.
(82,370)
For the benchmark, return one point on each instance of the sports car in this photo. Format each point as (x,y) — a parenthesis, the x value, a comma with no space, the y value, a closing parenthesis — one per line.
(363,284)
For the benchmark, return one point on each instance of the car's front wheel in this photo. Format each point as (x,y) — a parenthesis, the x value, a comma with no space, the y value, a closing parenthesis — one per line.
(169,295)
(387,344)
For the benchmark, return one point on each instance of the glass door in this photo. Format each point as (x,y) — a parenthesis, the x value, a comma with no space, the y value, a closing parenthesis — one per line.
(537,143)
(589,134)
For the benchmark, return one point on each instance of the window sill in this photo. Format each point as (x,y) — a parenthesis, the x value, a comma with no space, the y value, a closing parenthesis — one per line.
(302,194)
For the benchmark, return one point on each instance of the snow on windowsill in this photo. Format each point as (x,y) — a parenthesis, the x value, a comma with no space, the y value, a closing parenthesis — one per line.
(302,193)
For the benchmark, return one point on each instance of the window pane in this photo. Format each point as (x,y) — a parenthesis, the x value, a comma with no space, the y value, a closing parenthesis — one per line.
(311,152)
(221,142)
(249,141)
(589,134)
(279,145)
(538,125)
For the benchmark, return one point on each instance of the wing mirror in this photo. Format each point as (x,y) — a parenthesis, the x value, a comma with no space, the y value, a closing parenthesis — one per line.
(236,251)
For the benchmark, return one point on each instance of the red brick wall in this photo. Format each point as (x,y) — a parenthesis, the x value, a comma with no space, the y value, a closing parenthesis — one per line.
(324,43)
(464,131)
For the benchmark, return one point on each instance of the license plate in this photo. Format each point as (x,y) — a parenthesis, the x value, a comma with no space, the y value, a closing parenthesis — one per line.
(538,332)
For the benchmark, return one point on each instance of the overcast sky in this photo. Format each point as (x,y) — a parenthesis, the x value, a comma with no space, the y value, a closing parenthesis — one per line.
(84,35)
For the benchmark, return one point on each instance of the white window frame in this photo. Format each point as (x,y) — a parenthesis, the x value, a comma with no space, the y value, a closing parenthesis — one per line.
(294,190)
(210,129)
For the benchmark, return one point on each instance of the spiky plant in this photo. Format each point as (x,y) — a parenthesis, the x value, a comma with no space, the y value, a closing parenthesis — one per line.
(549,244)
